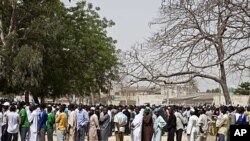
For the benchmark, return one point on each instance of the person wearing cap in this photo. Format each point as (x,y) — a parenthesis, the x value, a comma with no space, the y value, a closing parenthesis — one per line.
(93,125)
(33,121)
(158,126)
(136,125)
(192,128)
(4,123)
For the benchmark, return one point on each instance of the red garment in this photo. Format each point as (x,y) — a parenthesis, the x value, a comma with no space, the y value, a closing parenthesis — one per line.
(147,128)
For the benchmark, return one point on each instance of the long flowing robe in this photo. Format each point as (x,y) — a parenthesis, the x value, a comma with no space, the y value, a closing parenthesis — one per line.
(192,128)
(72,123)
(105,126)
(137,124)
(93,126)
(158,126)
(147,128)
(33,119)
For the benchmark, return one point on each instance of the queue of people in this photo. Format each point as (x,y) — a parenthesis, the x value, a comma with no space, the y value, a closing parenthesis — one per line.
(30,122)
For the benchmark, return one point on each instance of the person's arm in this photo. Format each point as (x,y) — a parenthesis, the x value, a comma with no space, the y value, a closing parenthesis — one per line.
(86,118)
(104,118)
(96,122)
(58,118)
(220,122)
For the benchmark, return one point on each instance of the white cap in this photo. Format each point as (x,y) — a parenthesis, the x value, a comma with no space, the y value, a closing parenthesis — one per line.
(6,104)
(92,108)
(192,110)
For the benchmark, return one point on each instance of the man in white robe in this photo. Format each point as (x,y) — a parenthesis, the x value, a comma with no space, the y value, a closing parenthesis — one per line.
(158,126)
(203,126)
(137,125)
(192,128)
(33,119)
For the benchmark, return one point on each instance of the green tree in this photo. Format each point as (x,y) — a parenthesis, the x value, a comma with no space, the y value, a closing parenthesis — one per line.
(243,89)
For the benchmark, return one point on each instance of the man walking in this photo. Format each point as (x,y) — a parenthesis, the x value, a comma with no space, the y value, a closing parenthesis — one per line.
(42,122)
(61,120)
(180,121)
(50,123)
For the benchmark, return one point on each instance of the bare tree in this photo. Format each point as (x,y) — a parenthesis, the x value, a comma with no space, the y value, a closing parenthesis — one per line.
(197,38)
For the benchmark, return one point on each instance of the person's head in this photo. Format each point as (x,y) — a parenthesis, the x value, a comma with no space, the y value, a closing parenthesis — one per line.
(49,109)
(157,112)
(42,106)
(119,109)
(137,110)
(80,107)
(12,108)
(231,109)
(61,109)
(32,107)
(92,110)
(248,108)
(241,110)
(105,110)
(223,109)
(20,105)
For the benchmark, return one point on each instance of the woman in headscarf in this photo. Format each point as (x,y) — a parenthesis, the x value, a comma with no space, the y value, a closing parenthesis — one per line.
(147,126)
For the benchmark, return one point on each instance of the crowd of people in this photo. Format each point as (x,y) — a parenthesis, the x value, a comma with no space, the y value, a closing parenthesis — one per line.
(32,122)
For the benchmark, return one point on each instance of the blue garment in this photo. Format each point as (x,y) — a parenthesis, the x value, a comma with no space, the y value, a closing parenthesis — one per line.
(42,120)
(82,118)
(242,120)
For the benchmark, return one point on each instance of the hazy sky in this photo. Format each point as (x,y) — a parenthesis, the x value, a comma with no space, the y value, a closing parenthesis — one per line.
(132,19)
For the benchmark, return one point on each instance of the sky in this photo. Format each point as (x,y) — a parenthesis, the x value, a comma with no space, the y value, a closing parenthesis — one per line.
(132,18)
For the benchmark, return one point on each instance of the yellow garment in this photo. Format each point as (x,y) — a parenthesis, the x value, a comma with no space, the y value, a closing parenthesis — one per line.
(222,124)
(61,120)
(213,128)
(248,117)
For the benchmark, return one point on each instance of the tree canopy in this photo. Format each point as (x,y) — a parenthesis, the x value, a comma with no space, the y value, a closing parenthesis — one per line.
(243,89)
(51,50)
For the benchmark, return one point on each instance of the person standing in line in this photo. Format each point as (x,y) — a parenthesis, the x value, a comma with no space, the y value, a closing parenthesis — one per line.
(159,124)
(105,125)
(120,121)
(147,126)
(13,124)
(33,121)
(4,124)
(42,122)
(203,125)
(1,121)
(127,114)
(171,125)
(222,124)
(50,123)
(192,128)
(82,123)
(61,120)
(231,119)
(72,123)
(180,121)
(24,122)
(93,125)
(136,125)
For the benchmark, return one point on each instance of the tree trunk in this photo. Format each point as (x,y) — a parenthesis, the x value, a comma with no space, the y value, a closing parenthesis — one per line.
(223,84)
(26,96)
(92,98)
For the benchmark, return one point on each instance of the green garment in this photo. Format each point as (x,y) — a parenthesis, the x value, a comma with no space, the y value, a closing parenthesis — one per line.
(24,117)
(50,120)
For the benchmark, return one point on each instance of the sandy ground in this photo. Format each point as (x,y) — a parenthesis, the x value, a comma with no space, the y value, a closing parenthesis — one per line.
(164,138)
